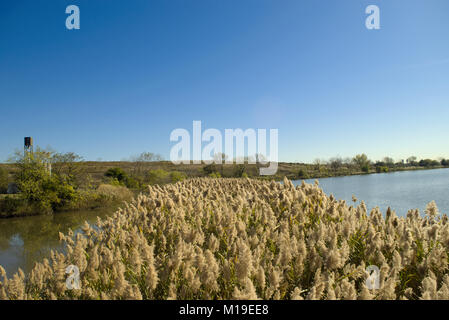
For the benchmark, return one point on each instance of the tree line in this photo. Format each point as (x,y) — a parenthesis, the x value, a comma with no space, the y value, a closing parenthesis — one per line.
(362,162)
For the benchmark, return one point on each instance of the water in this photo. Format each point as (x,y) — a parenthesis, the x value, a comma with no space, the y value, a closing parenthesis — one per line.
(23,241)
(401,191)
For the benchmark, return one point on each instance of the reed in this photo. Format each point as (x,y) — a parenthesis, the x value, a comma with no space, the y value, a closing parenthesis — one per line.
(210,238)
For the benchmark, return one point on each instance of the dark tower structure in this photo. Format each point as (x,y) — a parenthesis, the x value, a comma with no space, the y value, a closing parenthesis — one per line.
(28,146)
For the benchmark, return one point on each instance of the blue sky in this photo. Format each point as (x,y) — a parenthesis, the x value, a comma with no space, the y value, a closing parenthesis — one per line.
(136,70)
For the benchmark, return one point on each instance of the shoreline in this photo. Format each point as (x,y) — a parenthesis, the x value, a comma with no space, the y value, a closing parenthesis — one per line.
(349,174)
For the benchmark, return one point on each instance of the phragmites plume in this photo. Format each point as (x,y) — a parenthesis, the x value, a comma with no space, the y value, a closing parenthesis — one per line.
(245,239)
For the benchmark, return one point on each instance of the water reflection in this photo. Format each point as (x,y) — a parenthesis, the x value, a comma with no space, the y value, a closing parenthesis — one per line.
(28,239)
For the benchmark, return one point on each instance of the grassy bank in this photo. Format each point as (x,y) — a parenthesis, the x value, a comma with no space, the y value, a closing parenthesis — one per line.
(246,239)
(104,196)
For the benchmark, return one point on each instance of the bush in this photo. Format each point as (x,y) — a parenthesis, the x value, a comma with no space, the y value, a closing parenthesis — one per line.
(365,168)
(381,169)
(239,170)
(49,194)
(38,187)
(362,161)
(118,175)
(302,174)
(176,176)
(158,176)
(210,168)
(428,163)
(114,193)
(132,183)
(11,206)
(161,176)
(65,193)
(3,180)
(215,175)
(40,190)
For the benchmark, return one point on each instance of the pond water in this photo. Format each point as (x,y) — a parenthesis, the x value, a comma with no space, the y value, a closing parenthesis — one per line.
(25,240)
(401,191)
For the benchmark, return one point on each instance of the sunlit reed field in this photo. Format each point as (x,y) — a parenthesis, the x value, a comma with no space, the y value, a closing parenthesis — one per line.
(210,238)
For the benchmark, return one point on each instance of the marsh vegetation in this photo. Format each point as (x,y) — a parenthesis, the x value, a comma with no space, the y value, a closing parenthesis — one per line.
(212,238)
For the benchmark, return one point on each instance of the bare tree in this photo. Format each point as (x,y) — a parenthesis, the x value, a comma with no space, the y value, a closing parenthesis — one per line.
(68,165)
(317,162)
(147,157)
(336,163)
(139,162)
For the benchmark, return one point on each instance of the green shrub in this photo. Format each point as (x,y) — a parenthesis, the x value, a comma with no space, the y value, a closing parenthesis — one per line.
(428,163)
(114,182)
(215,175)
(302,174)
(115,193)
(10,206)
(239,170)
(158,176)
(117,173)
(365,168)
(119,177)
(3,180)
(42,191)
(381,169)
(132,183)
(362,161)
(210,168)
(176,176)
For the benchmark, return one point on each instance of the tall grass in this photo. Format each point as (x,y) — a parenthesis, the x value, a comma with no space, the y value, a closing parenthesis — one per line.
(114,192)
(245,239)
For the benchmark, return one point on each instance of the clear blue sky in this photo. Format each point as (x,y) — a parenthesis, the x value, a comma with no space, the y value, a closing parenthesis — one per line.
(136,70)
